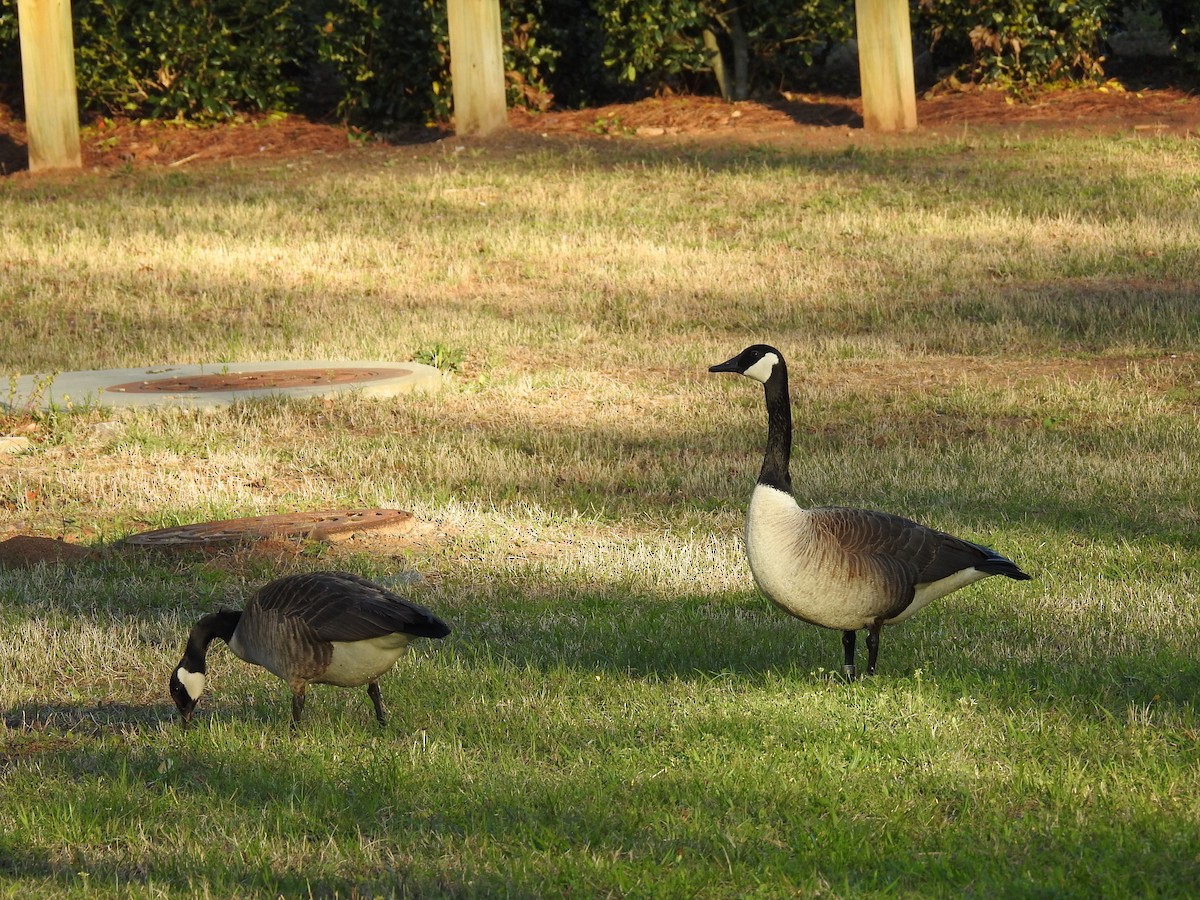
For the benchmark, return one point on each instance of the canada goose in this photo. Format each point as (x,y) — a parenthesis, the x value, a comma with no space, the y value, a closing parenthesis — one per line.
(838,567)
(321,627)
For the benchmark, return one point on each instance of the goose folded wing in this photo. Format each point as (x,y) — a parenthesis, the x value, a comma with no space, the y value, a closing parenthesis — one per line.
(916,553)
(340,606)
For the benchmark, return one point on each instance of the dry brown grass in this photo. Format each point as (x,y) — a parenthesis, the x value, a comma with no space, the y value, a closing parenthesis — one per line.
(996,338)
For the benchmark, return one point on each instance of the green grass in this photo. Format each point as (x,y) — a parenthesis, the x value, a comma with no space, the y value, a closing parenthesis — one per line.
(996,338)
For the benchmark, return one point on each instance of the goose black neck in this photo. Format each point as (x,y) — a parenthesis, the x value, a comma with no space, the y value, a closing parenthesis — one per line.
(217,625)
(774,472)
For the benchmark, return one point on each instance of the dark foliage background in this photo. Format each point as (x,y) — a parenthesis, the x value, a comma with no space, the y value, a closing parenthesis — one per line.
(380,64)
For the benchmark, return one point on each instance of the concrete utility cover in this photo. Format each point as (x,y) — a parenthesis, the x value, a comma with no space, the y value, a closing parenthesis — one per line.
(330,525)
(213,385)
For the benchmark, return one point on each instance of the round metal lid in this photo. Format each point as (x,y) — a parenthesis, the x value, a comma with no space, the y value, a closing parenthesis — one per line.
(320,526)
(278,379)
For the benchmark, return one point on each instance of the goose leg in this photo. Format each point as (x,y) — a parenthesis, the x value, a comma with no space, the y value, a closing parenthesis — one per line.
(377,699)
(297,702)
(848,669)
(873,645)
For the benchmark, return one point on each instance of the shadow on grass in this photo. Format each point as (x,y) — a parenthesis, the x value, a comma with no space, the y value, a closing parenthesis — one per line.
(1144,306)
(706,812)
(1008,641)
(490,808)
(20,862)
(824,113)
(1003,643)
(91,721)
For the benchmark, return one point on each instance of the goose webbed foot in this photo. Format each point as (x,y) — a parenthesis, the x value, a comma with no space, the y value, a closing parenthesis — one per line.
(377,700)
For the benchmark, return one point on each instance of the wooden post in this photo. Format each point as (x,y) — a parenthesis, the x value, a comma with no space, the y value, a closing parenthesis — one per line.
(48,70)
(885,65)
(477,66)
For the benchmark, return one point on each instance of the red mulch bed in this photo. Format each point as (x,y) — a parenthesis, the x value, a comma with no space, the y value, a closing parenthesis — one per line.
(791,119)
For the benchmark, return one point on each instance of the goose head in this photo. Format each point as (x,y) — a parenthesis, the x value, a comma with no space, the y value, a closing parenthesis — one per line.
(186,686)
(189,677)
(759,362)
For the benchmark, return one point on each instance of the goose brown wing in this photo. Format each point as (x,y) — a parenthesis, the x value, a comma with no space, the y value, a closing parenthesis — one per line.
(340,606)
(907,553)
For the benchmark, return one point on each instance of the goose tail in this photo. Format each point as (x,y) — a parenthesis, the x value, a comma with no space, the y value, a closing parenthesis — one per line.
(425,624)
(996,564)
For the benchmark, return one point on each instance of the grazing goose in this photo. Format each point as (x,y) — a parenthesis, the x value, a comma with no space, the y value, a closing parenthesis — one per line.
(322,627)
(838,567)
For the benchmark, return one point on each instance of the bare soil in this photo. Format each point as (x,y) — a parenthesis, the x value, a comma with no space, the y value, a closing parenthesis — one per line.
(798,120)
(25,550)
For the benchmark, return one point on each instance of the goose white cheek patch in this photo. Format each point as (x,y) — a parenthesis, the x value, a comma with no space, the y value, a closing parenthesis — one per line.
(192,681)
(761,370)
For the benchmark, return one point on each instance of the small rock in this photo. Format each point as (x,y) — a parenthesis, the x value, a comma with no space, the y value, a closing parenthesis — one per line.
(106,429)
(15,444)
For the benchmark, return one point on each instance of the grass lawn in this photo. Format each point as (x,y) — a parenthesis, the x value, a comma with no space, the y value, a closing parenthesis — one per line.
(995,337)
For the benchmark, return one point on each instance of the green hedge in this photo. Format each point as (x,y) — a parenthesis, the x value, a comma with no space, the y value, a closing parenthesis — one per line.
(193,58)
(198,59)
(384,62)
(1017,41)
(381,62)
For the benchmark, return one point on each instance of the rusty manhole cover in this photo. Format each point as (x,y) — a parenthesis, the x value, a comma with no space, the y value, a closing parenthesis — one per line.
(258,381)
(331,525)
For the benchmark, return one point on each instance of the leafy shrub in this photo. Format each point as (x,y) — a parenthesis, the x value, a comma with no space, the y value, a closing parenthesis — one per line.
(1017,41)
(651,39)
(381,63)
(1182,23)
(644,46)
(529,59)
(784,38)
(201,59)
(10,51)
(576,31)
(391,60)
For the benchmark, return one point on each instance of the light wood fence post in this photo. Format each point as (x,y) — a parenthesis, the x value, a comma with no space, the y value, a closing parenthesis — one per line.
(477,66)
(885,65)
(48,71)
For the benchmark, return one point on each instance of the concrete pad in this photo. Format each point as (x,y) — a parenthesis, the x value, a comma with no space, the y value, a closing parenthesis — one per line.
(213,385)
(15,444)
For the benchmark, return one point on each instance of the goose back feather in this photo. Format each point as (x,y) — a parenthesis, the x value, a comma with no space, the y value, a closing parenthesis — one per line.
(329,628)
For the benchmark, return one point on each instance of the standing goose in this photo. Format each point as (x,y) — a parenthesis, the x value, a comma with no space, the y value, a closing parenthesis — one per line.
(838,567)
(321,627)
